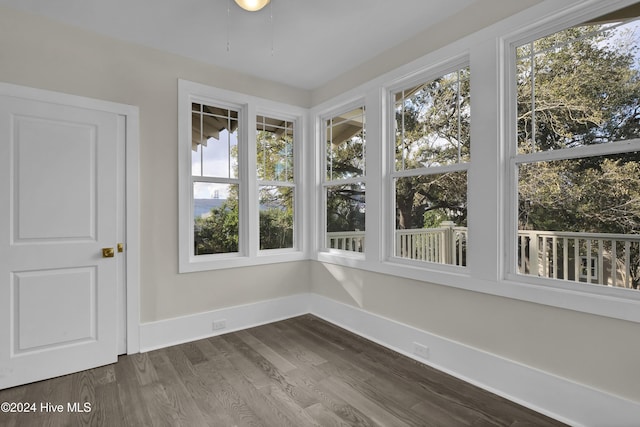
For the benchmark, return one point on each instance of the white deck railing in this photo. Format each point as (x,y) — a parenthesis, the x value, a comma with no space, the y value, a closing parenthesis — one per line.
(352,241)
(598,258)
(446,244)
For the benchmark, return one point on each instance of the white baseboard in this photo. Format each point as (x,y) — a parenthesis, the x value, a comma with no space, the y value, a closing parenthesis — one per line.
(557,397)
(178,330)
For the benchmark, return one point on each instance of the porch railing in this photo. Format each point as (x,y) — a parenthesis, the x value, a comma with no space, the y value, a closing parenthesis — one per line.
(598,258)
(352,241)
(446,244)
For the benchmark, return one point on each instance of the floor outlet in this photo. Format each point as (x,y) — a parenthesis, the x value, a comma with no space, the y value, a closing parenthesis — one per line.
(219,324)
(421,350)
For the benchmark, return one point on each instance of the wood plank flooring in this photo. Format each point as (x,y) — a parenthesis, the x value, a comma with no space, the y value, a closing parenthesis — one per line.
(297,372)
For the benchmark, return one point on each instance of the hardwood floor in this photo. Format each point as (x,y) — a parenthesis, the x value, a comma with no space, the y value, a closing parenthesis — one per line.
(298,372)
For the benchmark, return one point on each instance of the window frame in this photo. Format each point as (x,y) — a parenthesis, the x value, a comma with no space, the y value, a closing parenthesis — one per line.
(326,183)
(424,76)
(295,183)
(229,180)
(512,160)
(248,107)
(490,183)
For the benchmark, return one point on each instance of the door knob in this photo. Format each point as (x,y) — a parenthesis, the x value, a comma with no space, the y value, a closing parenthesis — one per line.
(107,252)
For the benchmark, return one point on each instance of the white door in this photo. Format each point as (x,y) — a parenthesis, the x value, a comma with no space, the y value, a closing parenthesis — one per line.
(58,210)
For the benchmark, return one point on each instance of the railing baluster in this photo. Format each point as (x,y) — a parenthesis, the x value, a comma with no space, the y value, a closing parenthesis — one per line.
(601,262)
(565,258)
(627,263)
(554,260)
(545,265)
(614,263)
(588,260)
(523,254)
(576,259)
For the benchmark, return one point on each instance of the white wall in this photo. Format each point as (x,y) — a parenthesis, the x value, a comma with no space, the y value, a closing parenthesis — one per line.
(467,21)
(478,306)
(42,54)
(597,351)
(591,350)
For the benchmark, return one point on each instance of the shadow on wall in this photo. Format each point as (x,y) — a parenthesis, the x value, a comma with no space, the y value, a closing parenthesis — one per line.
(349,280)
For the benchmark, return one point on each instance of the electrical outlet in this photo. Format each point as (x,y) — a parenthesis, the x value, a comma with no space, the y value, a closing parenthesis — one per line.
(421,350)
(219,324)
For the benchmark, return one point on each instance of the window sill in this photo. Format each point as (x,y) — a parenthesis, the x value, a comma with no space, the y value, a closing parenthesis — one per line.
(225,261)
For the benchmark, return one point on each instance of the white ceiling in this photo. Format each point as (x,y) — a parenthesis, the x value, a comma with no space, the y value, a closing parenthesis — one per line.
(313,41)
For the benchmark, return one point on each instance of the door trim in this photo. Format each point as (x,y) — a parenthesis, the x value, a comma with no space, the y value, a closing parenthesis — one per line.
(131,114)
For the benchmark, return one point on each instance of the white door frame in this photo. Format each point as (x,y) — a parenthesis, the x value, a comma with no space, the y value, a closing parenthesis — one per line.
(132,209)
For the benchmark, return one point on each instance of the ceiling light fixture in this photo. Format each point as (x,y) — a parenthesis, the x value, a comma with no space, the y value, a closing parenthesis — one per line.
(252,5)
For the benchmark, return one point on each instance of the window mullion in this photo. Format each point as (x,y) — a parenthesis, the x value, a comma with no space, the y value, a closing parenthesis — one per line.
(459,104)
(533,100)
(249,227)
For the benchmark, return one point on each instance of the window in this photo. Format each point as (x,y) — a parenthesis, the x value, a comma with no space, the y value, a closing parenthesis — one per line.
(344,180)
(238,179)
(576,154)
(216,184)
(276,184)
(431,153)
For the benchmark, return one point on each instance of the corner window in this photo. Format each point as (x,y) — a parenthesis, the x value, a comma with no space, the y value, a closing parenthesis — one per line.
(238,179)
(431,152)
(576,154)
(344,180)
(276,183)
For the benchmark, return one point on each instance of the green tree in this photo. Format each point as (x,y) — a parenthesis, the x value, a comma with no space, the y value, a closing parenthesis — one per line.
(576,88)
(218,231)
(433,130)
(276,203)
(587,91)
(345,159)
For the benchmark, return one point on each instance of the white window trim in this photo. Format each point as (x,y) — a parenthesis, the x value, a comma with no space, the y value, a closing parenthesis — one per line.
(298,200)
(490,217)
(248,106)
(348,258)
(489,214)
(452,65)
(601,295)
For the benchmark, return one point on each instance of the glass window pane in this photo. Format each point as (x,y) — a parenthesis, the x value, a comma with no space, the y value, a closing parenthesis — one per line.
(214,141)
(274,157)
(220,154)
(346,217)
(196,158)
(276,217)
(578,213)
(433,122)
(431,218)
(580,86)
(216,218)
(345,145)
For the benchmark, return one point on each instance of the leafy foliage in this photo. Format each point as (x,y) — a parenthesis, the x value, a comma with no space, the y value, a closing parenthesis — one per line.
(433,129)
(587,91)
(218,232)
(345,159)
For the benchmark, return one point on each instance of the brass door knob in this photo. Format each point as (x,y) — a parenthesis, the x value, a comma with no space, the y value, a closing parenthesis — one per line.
(107,252)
